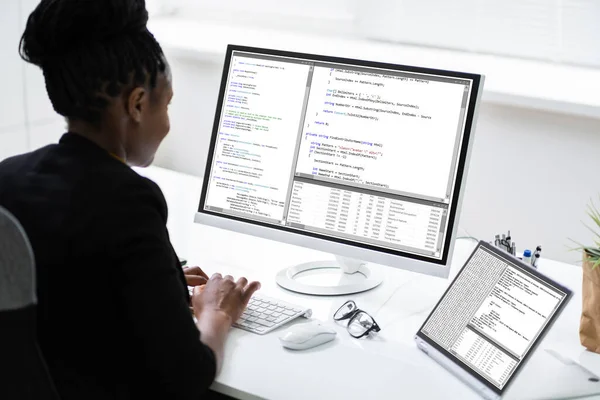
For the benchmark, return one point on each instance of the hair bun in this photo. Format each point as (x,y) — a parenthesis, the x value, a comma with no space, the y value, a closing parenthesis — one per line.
(57,27)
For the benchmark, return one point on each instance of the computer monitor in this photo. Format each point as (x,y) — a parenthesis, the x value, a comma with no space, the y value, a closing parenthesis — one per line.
(361,159)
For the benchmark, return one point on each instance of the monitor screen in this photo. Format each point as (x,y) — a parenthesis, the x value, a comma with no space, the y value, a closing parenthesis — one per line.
(493,314)
(363,153)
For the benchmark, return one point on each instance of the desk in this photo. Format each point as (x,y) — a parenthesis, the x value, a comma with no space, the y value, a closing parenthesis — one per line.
(385,366)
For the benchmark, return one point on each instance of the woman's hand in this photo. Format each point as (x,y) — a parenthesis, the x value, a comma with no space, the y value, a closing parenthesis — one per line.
(194,276)
(223,295)
(217,305)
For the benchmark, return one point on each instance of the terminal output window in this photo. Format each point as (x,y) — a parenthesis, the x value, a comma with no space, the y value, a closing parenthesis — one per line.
(492,315)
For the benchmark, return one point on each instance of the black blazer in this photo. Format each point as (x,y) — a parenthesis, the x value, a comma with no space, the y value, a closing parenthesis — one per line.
(113,315)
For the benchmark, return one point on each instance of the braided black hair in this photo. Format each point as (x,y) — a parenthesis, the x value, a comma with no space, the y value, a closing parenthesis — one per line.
(90,51)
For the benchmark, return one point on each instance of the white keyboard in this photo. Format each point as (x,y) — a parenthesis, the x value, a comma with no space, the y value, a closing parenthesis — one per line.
(265,314)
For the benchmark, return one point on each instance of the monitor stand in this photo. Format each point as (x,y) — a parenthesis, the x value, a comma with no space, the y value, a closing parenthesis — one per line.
(354,277)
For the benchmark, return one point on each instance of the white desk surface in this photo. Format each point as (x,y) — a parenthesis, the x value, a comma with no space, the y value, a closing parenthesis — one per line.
(385,366)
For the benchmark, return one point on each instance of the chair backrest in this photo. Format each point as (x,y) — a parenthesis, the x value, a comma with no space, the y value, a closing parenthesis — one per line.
(23,372)
(17,265)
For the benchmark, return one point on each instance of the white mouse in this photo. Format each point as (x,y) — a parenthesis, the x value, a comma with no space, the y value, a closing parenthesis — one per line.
(306,336)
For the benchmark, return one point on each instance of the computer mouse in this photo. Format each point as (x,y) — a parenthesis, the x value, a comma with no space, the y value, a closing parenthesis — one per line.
(306,336)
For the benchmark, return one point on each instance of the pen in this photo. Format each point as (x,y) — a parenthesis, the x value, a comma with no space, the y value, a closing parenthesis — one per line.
(513,249)
(536,256)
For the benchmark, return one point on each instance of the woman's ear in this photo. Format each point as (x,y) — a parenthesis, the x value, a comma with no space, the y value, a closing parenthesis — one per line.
(136,102)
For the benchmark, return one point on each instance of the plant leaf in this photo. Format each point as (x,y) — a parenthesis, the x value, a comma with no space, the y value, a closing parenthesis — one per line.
(579,246)
(594,252)
(592,230)
(595,217)
(593,212)
(596,264)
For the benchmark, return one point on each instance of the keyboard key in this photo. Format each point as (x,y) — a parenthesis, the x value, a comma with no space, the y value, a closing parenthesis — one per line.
(264,322)
(264,314)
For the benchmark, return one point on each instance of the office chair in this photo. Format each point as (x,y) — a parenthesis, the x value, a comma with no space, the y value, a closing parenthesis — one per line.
(23,371)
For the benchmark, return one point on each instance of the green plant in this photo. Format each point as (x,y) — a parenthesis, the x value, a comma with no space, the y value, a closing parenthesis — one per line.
(593,252)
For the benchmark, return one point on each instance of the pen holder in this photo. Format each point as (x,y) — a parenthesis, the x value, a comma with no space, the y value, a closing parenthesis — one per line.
(589,326)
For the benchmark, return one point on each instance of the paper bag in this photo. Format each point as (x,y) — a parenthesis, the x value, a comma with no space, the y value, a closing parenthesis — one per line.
(589,329)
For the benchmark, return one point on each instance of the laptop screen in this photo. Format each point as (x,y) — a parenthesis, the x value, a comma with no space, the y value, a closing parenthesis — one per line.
(492,315)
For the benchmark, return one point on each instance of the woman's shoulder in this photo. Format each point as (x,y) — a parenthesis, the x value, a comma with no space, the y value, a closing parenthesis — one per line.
(130,189)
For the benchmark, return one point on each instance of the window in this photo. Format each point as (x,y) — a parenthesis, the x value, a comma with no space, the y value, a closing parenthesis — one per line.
(564,31)
(311,9)
(554,30)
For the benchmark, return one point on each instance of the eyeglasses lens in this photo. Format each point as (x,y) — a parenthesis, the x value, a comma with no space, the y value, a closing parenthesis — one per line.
(345,310)
(360,323)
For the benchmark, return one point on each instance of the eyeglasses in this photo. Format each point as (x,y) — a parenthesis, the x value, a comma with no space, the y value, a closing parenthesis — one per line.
(360,323)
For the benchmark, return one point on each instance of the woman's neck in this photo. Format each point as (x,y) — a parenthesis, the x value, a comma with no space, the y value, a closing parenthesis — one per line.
(104,138)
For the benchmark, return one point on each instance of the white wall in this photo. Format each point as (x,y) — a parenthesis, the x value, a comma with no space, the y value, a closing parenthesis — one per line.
(192,111)
(12,109)
(27,120)
(531,172)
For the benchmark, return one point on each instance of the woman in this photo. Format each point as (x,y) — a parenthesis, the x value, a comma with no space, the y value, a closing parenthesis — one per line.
(114,318)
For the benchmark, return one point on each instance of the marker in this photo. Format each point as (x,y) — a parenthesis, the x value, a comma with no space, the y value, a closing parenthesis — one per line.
(513,249)
(535,260)
(536,256)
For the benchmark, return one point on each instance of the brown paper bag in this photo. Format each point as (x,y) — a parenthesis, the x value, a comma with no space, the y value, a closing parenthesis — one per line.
(589,329)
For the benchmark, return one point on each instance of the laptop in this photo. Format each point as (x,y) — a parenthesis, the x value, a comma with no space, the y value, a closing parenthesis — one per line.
(486,327)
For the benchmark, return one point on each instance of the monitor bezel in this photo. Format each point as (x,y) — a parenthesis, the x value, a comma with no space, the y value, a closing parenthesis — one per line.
(459,364)
(203,216)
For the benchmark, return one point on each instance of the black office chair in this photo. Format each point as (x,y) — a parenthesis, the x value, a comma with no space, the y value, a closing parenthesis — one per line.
(23,372)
